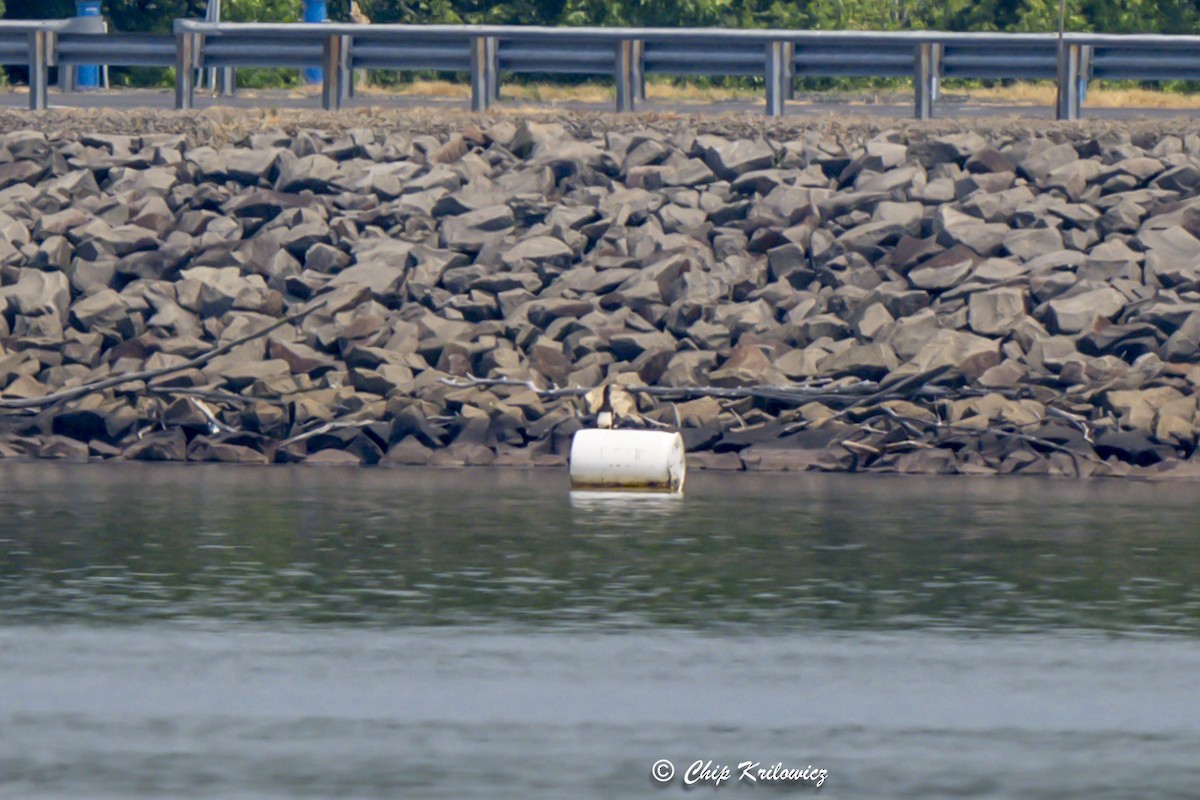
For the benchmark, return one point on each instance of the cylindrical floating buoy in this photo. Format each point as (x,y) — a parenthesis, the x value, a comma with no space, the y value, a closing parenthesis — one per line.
(627,459)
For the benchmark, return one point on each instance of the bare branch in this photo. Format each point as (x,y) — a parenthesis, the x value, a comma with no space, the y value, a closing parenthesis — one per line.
(116,380)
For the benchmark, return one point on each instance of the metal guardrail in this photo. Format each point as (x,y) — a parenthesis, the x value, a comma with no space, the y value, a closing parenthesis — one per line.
(488,52)
(626,54)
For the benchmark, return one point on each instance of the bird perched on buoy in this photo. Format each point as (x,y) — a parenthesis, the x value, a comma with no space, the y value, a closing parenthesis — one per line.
(612,406)
(356,14)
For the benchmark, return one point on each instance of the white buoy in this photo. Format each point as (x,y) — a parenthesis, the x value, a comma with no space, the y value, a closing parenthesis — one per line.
(627,459)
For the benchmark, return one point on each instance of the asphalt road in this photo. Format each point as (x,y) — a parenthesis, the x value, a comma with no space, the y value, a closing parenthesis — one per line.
(948,108)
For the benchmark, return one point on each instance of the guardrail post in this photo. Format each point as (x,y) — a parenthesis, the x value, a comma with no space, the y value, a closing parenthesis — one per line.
(185,77)
(480,74)
(493,60)
(923,65)
(346,70)
(789,71)
(774,79)
(638,79)
(1085,71)
(624,76)
(226,82)
(1068,82)
(66,75)
(40,44)
(333,83)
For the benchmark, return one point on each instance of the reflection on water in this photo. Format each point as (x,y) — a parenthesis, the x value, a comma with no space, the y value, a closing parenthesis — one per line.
(420,547)
(604,509)
(188,631)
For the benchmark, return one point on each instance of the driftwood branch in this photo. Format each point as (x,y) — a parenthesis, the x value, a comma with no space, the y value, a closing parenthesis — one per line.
(997,430)
(553,393)
(847,396)
(76,392)
(328,427)
(211,395)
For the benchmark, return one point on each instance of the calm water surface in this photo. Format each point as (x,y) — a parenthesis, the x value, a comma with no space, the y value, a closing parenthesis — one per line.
(219,632)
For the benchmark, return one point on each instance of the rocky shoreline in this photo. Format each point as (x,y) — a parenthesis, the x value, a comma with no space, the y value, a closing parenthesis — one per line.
(379,288)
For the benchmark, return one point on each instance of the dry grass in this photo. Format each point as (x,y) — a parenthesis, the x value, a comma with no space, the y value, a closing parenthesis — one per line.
(449,90)
(1140,98)
(1043,94)
(1017,94)
(1021,94)
(553,93)
(691,93)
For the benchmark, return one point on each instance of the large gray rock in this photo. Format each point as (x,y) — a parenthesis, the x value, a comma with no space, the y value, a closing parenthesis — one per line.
(470,232)
(168,445)
(38,293)
(538,251)
(244,165)
(956,228)
(999,206)
(1111,260)
(239,372)
(1030,243)
(1078,312)
(1038,167)
(995,312)
(103,310)
(384,280)
(21,172)
(731,159)
(972,355)
(316,172)
(747,365)
(868,361)
(212,291)
(945,270)
(97,240)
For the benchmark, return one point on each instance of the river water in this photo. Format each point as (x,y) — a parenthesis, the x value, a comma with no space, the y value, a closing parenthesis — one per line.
(190,631)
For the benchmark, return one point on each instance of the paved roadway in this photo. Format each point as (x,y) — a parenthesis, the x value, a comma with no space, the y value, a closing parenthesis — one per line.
(892,106)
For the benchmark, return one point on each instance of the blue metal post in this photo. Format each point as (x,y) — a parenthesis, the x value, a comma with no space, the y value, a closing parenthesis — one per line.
(314,11)
(87,76)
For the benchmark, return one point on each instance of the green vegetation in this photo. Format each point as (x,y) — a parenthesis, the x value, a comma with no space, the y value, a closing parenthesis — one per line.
(1111,16)
(1108,16)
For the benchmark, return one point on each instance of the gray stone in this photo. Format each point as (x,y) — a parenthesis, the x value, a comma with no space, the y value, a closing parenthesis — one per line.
(316,173)
(972,355)
(471,231)
(1038,167)
(731,159)
(244,165)
(1111,260)
(955,228)
(1077,312)
(995,312)
(1030,243)
(539,251)
(868,361)
(746,365)
(38,293)
(211,291)
(103,310)
(168,445)
(944,270)
(238,373)
(384,281)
